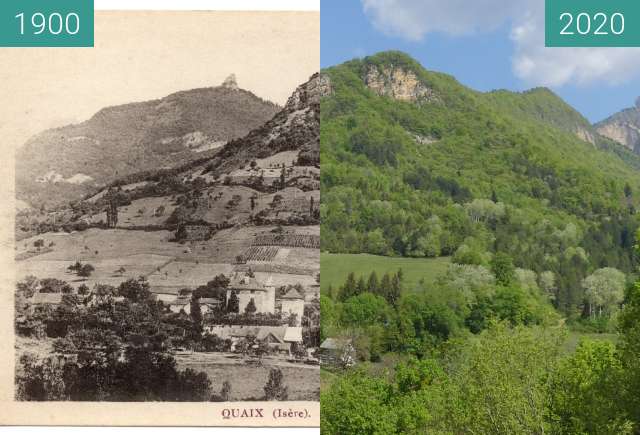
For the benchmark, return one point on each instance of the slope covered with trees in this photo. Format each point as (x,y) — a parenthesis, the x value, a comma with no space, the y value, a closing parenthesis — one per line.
(465,174)
(537,214)
(474,355)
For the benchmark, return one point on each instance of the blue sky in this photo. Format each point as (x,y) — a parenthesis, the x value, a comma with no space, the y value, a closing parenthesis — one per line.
(510,54)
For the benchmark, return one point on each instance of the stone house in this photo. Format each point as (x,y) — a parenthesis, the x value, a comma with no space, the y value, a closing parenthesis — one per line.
(337,352)
(46,299)
(292,303)
(183,303)
(247,288)
(278,338)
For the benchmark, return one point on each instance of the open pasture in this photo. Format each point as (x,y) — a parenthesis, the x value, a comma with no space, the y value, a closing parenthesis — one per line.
(152,254)
(283,279)
(232,204)
(288,158)
(248,381)
(335,268)
(270,167)
(95,244)
(141,212)
(125,187)
(187,274)
(106,269)
(226,203)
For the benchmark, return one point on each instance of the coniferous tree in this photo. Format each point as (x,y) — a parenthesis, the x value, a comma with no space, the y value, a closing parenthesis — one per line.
(330,292)
(275,389)
(251,307)
(283,181)
(362,285)
(385,286)
(373,285)
(350,287)
(196,316)
(233,306)
(396,289)
(225,392)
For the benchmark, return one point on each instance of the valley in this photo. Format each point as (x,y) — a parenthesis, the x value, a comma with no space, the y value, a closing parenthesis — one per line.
(479,258)
(211,263)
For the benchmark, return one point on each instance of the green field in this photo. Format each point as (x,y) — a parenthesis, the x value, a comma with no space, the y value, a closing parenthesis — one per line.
(334,268)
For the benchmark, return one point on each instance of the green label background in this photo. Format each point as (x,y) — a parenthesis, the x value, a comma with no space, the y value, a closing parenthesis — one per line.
(10,25)
(553,26)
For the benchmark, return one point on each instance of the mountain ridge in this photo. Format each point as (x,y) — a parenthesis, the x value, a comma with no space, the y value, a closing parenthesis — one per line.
(127,138)
(623,127)
(470,174)
(268,176)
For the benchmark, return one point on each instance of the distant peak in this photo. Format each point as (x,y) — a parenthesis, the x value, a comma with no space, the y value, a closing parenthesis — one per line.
(393,57)
(541,90)
(230,82)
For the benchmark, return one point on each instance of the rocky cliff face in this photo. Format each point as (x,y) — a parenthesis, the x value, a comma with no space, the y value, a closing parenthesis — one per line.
(399,84)
(325,87)
(295,128)
(65,163)
(231,83)
(585,135)
(623,127)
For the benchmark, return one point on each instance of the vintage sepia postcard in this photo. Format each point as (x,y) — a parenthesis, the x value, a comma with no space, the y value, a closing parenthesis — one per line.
(160,245)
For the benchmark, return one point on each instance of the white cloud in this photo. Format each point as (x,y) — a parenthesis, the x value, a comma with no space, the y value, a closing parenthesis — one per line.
(532,61)
(413,19)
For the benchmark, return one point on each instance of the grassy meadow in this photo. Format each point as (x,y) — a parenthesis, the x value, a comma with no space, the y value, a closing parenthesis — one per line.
(335,268)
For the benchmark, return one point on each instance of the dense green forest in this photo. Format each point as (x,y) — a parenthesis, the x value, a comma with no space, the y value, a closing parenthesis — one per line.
(470,175)
(538,215)
(472,355)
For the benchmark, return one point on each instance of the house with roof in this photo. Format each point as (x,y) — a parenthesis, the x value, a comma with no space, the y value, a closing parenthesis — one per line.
(293,334)
(164,294)
(292,302)
(43,299)
(209,304)
(180,303)
(247,288)
(337,352)
(183,303)
(278,338)
(29,327)
(92,299)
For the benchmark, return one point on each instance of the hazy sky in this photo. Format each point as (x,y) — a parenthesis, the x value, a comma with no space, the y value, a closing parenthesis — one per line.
(485,44)
(147,55)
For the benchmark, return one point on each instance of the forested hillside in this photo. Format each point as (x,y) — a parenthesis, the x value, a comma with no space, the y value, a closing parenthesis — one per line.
(457,172)
(529,323)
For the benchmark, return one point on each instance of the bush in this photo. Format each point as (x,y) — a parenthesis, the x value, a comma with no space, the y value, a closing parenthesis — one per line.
(275,388)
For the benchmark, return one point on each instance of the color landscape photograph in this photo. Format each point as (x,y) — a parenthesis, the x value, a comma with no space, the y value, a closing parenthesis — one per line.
(479,224)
